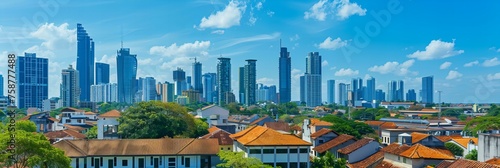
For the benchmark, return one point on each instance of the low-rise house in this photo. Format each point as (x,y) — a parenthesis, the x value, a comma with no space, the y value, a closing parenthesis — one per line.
(214,114)
(390,136)
(91,116)
(426,140)
(311,125)
(467,144)
(225,141)
(488,147)
(107,125)
(141,153)
(419,156)
(320,137)
(73,117)
(272,147)
(334,145)
(378,126)
(242,122)
(392,152)
(67,134)
(461,163)
(44,122)
(359,150)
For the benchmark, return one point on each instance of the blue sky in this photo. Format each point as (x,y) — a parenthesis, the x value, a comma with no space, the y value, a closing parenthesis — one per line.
(456,43)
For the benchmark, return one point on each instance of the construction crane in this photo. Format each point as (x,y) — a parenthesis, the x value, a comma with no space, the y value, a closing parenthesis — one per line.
(193,59)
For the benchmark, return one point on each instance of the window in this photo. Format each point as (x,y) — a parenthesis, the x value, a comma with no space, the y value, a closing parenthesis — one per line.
(293,151)
(67,121)
(171,162)
(228,148)
(282,165)
(114,161)
(77,162)
(224,120)
(255,151)
(404,160)
(281,150)
(141,162)
(268,151)
(303,150)
(124,162)
(320,141)
(221,148)
(303,165)
(294,165)
(188,162)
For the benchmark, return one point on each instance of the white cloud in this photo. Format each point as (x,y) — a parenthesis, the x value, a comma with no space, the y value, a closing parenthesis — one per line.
(347,9)
(266,81)
(332,44)
(230,16)
(445,65)
(218,32)
(471,63)
(453,75)
(233,42)
(296,73)
(346,72)
(198,48)
(295,38)
(394,67)
(42,52)
(324,63)
(146,61)
(437,49)
(270,13)
(55,37)
(258,6)
(252,19)
(491,62)
(111,60)
(495,49)
(181,62)
(495,76)
(317,11)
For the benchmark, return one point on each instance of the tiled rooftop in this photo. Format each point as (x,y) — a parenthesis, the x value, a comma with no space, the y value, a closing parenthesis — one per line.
(111,114)
(465,163)
(278,126)
(465,141)
(64,134)
(417,137)
(333,143)
(322,132)
(355,146)
(386,164)
(494,161)
(419,151)
(318,122)
(221,135)
(262,136)
(395,148)
(369,161)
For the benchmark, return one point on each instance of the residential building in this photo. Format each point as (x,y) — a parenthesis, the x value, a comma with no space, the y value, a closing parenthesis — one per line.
(107,125)
(358,150)
(51,104)
(70,89)
(225,141)
(101,73)
(459,163)
(126,75)
(342,94)
(241,122)
(166,91)
(73,117)
(179,77)
(1,85)
(310,126)
(285,76)
(330,91)
(311,81)
(380,95)
(193,95)
(104,92)
(209,84)
(370,91)
(392,91)
(378,126)
(488,147)
(32,80)
(149,89)
(182,100)
(241,84)
(43,121)
(333,145)
(357,89)
(417,156)
(215,115)
(67,134)
(272,147)
(262,120)
(467,144)
(396,105)
(278,126)
(4,103)
(400,92)
(411,95)
(320,137)
(427,89)
(250,80)
(197,77)
(141,153)
(85,61)
(390,136)
(224,80)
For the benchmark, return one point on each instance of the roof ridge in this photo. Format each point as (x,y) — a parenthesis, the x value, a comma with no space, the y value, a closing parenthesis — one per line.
(192,140)
(257,137)
(75,147)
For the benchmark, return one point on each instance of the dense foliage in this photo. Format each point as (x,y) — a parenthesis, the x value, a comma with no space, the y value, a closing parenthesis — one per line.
(472,155)
(482,124)
(92,133)
(454,148)
(370,114)
(350,127)
(328,160)
(237,159)
(105,107)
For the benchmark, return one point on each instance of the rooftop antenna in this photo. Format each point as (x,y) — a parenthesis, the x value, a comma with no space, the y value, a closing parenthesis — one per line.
(121,36)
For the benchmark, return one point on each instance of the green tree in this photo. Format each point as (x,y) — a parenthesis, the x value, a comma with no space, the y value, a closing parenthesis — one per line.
(481,124)
(26,125)
(350,127)
(201,127)
(328,160)
(472,155)
(155,119)
(31,149)
(92,133)
(455,149)
(237,159)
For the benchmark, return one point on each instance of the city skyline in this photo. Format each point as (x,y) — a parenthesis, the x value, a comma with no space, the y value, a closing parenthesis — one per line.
(464,66)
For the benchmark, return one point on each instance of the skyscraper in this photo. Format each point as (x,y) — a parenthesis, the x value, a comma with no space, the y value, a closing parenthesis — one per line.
(188,83)
(166,91)
(179,80)
(401,91)
(1,86)
(126,75)
(104,92)
(342,94)
(312,80)
(241,84)
(285,76)
(32,80)
(149,89)
(392,89)
(84,61)
(428,89)
(379,95)
(209,83)
(370,90)
(411,95)
(250,82)
(224,81)
(330,91)
(197,77)
(101,73)
(70,91)
(357,88)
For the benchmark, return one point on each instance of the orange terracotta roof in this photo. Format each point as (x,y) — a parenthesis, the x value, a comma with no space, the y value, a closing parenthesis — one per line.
(111,114)
(321,132)
(213,129)
(318,122)
(376,123)
(333,143)
(395,148)
(389,125)
(443,138)
(26,117)
(445,151)
(355,146)
(296,128)
(386,164)
(221,135)
(74,128)
(64,133)
(419,151)
(461,163)
(89,113)
(444,164)
(465,141)
(369,161)
(417,137)
(262,136)
(494,161)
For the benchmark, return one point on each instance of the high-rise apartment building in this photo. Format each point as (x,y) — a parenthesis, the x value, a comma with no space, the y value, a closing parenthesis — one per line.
(370,90)
(179,77)
(101,73)
(311,84)
(70,90)
(241,84)
(250,82)
(149,89)
(342,94)
(411,95)
(84,61)
(380,95)
(32,80)
(428,89)
(330,91)
(285,76)
(209,84)
(197,77)
(224,92)
(126,75)
(104,92)
(166,91)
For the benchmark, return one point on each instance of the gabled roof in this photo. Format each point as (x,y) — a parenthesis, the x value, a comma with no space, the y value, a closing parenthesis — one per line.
(460,163)
(207,107)
(259,120)
(417,137)
(278,126)
(386,164)
(395,148)
(71,109)
(443,138)
(221,135)
(369,161)
(262,136)
(494,161)
(322,132)
(213,129)
(138,147)
(419,151)
(74,128)
(111,114)
(90,113)
(355,146)
(465,141)
(318,122)
(333,143)
(64,134)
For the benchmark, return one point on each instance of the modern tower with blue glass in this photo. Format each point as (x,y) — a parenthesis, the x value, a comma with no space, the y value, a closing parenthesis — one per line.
(32,80)
(428,89)
(285,76)
(84,61)
(101,73)
(223,80)
(330,91)
(126,75)
(197,77)
(311,81)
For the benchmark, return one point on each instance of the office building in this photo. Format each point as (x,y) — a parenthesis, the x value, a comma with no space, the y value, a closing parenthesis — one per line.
(285,76)
(188,83)
(197,77)
(370,90)
(209,83)
(70,90)
(224,81)
(149,89)
(401,91)
(32,80)
(51,104)
(179,77)
(411,95)
(428,89)
(1,86)
(330,91)
(126,75)
(392,89)
(84,61)
(241,84)
(311,80)
(250,82)
(380,95)
(166,91)
(101,73)
(273,96)
(342,94)
(104,92)
(192,95)
(357,88)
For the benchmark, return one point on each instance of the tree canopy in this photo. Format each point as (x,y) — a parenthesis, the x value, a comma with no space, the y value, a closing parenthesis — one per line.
(92,133)
(328,160)
(350,127)
(482,124)
(237,159)
(155,119)
(472,155)
(454,148)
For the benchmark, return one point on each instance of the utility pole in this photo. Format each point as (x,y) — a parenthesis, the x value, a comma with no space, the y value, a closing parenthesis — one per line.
(439,114)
